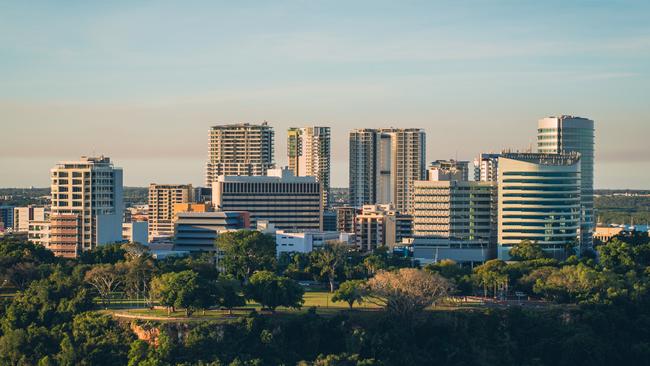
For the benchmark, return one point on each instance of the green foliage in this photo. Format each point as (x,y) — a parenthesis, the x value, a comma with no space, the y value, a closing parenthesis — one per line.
(622,209)
(579,284)
(525,251)
(343,359)
(48,302)
(229,293)
(103,254)
(328,261)
(350,292)
(98,340)
(181,290)
(491,275)
(245,252)
(272,291)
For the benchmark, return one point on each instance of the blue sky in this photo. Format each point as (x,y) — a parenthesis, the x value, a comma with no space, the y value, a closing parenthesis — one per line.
(142,81)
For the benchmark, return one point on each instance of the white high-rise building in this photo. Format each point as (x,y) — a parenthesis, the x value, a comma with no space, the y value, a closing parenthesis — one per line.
(565,134)
(239,149)
(539,200)
(308,149)
(486,168)
(87,205)
(384,163)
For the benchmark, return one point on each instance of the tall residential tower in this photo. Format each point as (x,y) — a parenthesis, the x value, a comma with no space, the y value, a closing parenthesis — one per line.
(384,163)
(308,149)
(239,149)
(565,134)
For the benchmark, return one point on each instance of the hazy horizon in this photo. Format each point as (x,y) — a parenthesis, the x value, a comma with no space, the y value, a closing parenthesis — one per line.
(143,82)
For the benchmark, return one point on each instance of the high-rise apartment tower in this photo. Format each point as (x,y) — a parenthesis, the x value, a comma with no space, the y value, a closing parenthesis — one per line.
(384,163)
(308,149)
(239,149)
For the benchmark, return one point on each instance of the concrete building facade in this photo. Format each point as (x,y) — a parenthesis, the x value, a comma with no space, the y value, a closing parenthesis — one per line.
(345,219)
(448,170)
(539,200)
(239,149)
(308,150)
(136,232)
(457,210)
(38,232)
(381,225)
(89,194)
(162,198)
(384,163)
(280,198)
(291,241)
(23,215)
(486,167)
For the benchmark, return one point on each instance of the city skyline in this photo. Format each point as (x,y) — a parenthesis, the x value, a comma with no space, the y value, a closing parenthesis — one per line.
(147,96)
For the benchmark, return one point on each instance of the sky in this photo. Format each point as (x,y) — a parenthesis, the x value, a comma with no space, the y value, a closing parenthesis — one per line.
(142,81)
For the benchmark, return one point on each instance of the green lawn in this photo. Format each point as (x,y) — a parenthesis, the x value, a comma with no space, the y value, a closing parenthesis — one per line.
(320,300)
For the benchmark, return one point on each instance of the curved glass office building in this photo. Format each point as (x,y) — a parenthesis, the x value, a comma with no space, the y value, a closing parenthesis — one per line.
(565,134)
(539,200)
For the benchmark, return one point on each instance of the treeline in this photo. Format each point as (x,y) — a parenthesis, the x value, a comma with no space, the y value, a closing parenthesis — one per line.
(33,196)
(622,209)
(52,317)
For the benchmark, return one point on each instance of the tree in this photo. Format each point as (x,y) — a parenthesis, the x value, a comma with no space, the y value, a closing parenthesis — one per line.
(106,279)
(98,340)
(407,291)
(178,290)
(245,252)
(135,251)
(329,260)
(350,291)
(138,278)
(491,274)
(229,293)
(526,250)
(271,290)
(103,254)
(21,275)
(580,284)
(374,263)
(48,302)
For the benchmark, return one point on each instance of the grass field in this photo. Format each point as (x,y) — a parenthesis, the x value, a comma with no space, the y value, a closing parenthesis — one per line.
(322,301)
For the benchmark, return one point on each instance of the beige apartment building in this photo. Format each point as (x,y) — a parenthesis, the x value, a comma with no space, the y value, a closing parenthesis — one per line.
(87,205)
(162,198)
(455,210)
(239,149)
(381,225)
(23,215)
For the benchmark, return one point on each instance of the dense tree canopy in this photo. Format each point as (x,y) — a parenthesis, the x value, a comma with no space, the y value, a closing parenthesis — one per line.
(246,251)
(272,291)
